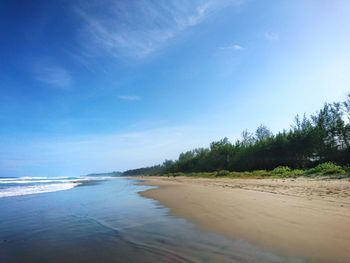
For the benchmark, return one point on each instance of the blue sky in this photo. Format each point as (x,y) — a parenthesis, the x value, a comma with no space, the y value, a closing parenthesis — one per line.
(89,86)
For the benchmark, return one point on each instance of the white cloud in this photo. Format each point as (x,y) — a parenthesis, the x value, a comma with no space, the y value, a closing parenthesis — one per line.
(129,98)
(137,29)
(233,47)
(272,36)
(53,75)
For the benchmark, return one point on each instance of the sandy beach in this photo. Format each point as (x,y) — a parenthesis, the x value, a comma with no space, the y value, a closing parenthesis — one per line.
(299,217)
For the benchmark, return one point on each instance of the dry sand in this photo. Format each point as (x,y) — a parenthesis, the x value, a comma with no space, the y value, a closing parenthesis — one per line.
(298,217)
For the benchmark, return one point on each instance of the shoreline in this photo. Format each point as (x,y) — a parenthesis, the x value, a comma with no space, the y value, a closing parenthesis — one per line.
(295,217)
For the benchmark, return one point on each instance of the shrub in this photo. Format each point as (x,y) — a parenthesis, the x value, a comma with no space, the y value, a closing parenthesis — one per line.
(222,173)
(235,174)
(297,172)
(174,174)
(205,174)
(326,169)
(281,170)
(347,169)
(261,173)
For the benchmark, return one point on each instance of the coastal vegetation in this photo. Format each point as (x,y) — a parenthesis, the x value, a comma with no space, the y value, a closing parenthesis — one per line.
(314,145)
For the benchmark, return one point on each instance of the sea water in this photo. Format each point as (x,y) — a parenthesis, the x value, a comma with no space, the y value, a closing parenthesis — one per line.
(103,219)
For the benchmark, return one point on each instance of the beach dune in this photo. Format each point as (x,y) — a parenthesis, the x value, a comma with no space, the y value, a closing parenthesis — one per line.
(297,217)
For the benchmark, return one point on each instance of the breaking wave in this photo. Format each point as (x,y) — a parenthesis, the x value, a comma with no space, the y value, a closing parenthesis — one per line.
(37,185)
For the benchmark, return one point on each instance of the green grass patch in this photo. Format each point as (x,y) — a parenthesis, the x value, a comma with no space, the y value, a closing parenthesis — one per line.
(324,169)
(327,168)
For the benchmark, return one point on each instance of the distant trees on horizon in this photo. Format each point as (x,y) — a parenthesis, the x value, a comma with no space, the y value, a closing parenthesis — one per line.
(322,137)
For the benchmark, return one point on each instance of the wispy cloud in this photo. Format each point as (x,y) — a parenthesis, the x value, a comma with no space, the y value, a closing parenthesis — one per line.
(137,29)
(233,47)
(52,75)
(271,35)
(129,98)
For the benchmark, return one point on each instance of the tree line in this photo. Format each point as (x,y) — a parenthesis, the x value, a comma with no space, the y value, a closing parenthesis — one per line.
(322,137)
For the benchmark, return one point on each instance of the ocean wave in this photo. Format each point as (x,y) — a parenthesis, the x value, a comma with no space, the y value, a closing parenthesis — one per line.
(36,189)
(24,178)
(36,185)
(39,181)
(33,180)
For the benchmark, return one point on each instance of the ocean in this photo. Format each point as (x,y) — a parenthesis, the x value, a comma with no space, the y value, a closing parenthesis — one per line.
(104,219)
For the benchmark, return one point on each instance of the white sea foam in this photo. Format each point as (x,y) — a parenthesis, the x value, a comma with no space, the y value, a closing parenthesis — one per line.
(37,181)
(42,181)
(35,189)
(24,178)
(33,180)
(36,185)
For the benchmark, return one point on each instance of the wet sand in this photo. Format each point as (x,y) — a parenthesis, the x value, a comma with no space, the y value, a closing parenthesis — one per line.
(297,217)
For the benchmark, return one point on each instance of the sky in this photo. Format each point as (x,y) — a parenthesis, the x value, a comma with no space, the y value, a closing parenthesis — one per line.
(96,86)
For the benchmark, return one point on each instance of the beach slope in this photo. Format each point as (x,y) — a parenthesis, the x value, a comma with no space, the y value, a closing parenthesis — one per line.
(298,217)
